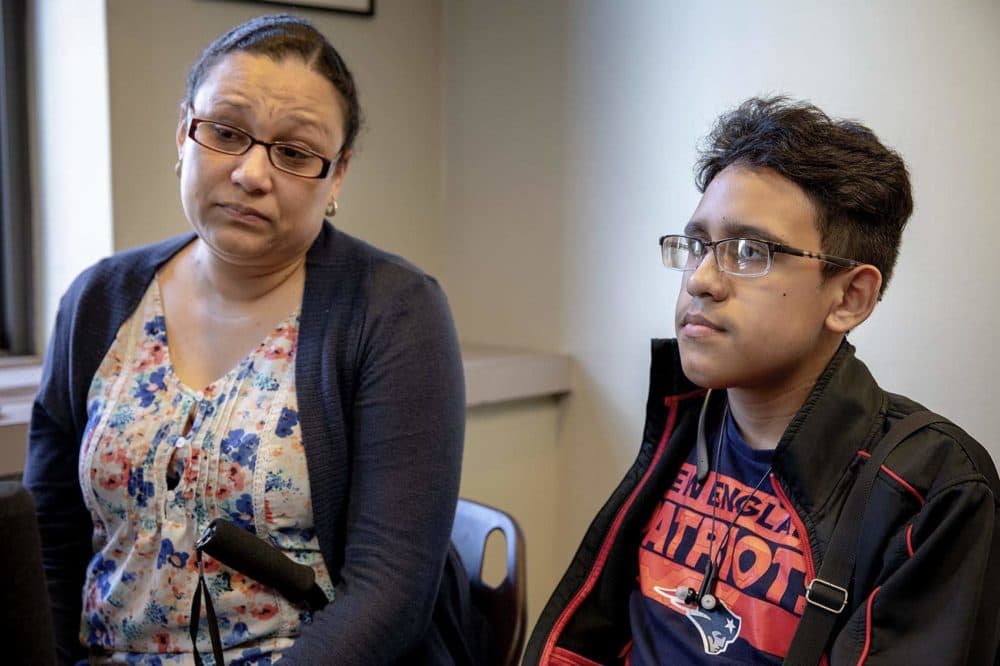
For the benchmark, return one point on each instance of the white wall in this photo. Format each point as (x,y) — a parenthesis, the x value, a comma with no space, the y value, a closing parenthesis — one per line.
(71,164)
(571,133)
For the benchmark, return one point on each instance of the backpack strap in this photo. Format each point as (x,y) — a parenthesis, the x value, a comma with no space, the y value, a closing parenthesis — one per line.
(827,593)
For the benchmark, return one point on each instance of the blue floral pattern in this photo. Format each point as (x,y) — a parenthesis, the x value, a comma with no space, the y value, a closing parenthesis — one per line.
(152,489)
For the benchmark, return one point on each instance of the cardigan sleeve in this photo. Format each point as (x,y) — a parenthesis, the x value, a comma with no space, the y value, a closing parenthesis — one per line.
(51,476)
(407,432)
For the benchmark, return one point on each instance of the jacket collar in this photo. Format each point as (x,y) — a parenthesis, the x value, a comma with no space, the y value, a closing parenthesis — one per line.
(843,414)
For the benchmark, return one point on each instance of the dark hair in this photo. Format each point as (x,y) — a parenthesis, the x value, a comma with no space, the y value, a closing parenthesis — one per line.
(277,37)
(860,187)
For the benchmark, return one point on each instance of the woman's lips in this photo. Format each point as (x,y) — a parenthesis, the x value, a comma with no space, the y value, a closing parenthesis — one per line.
(244,213)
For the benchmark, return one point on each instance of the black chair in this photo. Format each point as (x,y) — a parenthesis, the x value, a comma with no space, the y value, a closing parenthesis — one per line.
(26,632)
(503,606)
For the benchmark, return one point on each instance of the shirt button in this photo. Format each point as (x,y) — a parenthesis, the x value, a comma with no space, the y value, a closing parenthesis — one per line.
(181,441)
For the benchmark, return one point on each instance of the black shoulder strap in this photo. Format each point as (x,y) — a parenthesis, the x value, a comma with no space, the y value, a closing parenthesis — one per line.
(827,593)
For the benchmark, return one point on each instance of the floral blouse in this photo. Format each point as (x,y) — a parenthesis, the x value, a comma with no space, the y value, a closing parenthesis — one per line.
(159,462)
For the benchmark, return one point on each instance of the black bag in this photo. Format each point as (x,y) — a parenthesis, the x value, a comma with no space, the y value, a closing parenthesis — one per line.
(25,618)
(457,635)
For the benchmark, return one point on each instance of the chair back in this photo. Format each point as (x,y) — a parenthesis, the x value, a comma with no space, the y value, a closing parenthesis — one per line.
(503,606)
(26,631)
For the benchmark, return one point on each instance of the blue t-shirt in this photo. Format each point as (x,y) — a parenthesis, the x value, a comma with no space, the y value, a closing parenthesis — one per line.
(761,581)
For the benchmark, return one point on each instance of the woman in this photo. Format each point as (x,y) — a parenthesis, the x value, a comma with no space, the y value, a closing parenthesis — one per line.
(337,437)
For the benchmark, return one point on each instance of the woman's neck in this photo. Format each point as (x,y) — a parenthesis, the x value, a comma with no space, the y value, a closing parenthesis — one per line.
(228,283)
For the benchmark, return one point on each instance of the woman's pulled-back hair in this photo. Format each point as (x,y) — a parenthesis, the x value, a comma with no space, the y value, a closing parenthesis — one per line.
(277,37)
(860,187)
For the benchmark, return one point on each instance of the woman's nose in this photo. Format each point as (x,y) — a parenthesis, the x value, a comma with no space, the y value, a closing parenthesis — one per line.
(254,171)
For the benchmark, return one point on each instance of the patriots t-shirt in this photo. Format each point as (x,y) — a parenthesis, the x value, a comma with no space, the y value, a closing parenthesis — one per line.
(761,580)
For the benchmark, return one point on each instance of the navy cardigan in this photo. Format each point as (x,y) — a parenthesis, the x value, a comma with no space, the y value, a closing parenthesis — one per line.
(382,410)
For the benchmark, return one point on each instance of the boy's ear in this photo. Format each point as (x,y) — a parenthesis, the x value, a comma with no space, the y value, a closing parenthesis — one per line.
(856,293)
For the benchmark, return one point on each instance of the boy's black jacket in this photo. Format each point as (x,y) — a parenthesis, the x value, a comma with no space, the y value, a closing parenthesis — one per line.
(928,569)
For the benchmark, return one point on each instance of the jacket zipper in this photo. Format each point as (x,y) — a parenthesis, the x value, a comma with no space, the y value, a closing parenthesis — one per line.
(602,555)
(799,525)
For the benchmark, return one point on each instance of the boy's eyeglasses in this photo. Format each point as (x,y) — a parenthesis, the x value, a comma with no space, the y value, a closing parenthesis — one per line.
(745,257)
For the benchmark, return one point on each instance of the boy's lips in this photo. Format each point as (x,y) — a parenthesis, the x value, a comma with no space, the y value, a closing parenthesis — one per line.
(696,319)
(695,325)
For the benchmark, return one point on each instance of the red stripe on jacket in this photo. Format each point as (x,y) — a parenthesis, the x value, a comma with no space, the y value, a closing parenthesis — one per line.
(548,653)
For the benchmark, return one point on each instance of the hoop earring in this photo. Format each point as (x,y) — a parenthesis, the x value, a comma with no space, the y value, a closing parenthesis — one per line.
(331,208)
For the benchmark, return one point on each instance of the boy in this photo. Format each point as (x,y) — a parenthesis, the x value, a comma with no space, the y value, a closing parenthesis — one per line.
(724,534)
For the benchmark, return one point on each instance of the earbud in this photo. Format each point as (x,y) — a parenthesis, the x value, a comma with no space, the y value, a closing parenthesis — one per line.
(686,595)
(705,596)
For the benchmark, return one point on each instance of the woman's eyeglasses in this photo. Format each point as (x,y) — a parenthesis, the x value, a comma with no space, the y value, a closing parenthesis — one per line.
(288,157)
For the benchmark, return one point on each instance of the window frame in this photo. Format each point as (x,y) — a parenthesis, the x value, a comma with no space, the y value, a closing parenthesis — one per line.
(17,329)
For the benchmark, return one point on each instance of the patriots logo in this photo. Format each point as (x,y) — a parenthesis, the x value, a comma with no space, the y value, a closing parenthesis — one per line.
(718,627)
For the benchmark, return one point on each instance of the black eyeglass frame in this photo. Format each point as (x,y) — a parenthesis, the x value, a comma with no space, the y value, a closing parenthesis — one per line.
(772,247)
(254,141)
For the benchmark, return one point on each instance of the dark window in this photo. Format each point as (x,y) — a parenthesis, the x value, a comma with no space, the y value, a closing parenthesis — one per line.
(16,296)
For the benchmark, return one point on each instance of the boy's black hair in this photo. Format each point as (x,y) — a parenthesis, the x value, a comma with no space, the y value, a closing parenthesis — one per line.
(860,187)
